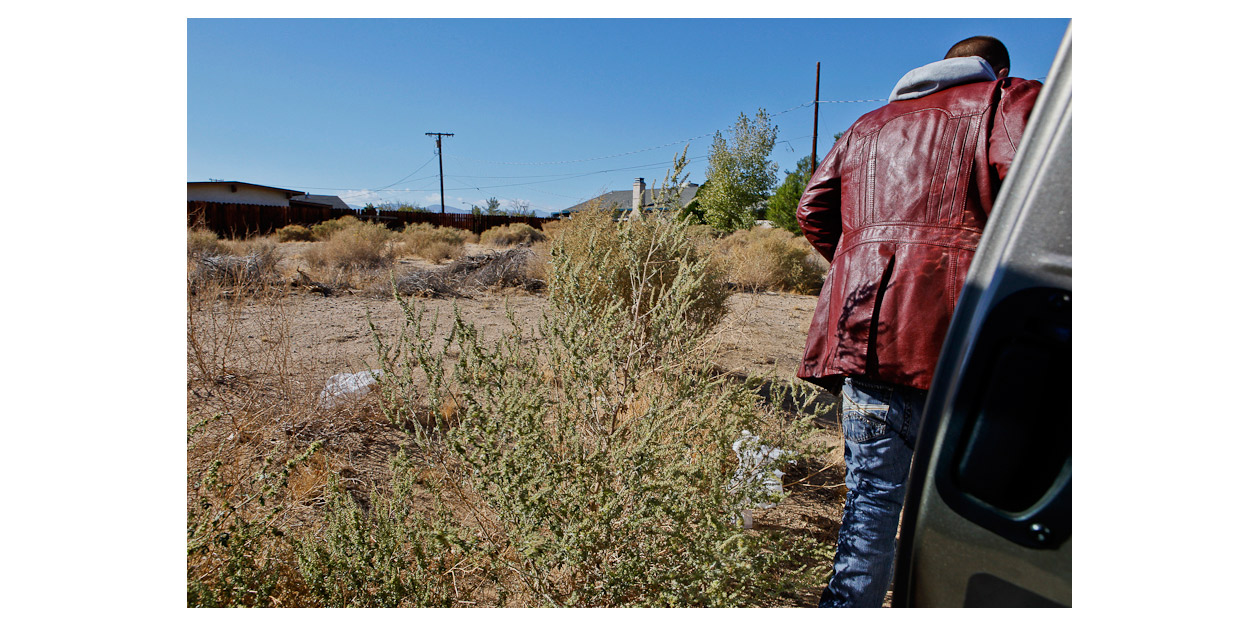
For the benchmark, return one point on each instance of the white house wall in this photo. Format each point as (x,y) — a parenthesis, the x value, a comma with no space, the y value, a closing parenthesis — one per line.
(244,194)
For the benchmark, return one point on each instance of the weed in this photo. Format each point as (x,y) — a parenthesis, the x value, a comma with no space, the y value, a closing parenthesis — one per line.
(325,230)
(436,244)
(354,246)
(770,259)
(513,234)
(203,243)
(611,486)
(295,233)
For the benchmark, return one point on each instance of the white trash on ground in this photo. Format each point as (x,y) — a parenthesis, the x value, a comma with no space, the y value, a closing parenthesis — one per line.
(758,466)
(343,387)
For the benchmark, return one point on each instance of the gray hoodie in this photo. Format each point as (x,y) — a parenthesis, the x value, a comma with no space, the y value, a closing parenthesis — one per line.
(935,77)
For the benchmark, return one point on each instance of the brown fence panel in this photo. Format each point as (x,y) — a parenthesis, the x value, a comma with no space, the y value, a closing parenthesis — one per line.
(240,220)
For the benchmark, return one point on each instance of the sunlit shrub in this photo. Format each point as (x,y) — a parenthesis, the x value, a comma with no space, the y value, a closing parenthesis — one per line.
(512,234)
(358,245)
(760,259)
(294,233)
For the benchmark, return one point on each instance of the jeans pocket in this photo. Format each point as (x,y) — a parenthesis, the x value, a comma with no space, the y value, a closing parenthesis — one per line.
(863,423)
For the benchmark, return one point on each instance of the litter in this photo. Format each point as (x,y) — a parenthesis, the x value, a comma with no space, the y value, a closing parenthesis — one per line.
(343,387)
(758,466)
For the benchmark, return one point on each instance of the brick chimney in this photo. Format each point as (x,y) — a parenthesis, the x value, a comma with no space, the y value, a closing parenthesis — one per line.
(636,197)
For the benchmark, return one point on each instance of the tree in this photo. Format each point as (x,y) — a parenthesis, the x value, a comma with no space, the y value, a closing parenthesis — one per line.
(781,210)
(519,207)
(740,173)
(491,208)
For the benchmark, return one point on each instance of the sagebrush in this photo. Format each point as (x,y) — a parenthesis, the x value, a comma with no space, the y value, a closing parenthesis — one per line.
(514,234)
(760,259)
(595,449)
(436,243)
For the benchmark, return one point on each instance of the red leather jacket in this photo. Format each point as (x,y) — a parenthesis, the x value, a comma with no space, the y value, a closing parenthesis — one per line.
(898,207)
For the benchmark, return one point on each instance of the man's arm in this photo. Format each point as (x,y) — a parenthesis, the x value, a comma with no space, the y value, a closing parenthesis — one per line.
(819,210)
(1012,114)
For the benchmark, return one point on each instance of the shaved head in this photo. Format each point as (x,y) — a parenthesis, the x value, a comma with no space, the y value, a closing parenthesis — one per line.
(987,48)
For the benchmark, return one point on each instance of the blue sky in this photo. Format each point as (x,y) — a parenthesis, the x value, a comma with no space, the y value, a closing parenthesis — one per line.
(545,111)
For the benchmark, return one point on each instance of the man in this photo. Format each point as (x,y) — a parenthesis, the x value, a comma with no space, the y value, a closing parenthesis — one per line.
(897,207)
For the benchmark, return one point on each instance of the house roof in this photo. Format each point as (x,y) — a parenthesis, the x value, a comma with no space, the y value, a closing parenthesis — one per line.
(622,200)
(292,192)
(333,201)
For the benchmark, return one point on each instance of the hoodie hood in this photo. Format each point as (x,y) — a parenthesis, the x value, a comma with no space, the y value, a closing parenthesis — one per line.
(941,75)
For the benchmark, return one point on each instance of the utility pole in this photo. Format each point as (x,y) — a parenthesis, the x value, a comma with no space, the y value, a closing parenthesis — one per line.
(442,179)
(813,152)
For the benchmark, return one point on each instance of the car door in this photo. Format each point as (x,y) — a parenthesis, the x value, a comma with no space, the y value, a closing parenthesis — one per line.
(988,515)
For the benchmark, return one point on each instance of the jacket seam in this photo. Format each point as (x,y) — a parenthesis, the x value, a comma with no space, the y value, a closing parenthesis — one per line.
(972,137)
(907,242)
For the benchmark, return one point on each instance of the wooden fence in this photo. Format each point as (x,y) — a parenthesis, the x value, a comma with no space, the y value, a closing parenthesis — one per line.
(238,220)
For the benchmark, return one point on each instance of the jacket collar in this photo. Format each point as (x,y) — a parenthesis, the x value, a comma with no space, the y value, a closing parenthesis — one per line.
(941,75)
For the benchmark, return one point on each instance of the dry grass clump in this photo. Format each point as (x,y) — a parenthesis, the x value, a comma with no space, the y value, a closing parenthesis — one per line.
(435,243)
(770,259)
(552,228)
(295,233)
(355,246)
(513,234)
(632,263)
(203,242)
(216,266)
(325,230)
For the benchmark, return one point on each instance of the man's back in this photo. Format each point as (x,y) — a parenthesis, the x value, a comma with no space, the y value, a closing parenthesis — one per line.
(898,206)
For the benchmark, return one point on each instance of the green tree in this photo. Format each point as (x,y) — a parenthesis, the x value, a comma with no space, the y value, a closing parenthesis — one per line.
(491,208)
(781,209)
(740,173)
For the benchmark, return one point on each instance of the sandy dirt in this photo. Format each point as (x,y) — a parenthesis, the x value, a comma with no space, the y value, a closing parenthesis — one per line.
(764,335)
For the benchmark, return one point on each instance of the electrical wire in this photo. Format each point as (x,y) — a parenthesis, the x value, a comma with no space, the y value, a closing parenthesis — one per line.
(567,176)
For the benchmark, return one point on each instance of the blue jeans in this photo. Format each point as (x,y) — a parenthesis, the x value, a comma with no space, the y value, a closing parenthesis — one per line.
(880,424)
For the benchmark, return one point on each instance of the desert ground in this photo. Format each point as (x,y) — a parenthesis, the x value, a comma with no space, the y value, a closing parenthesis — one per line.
(319,335)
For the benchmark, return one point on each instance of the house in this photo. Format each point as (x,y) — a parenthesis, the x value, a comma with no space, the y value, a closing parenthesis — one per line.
(233,208)
(323,201)
(239,193)
(627,201)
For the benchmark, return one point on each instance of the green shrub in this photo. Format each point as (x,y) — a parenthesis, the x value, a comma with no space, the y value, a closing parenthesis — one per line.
(295,233)
(595,449)
(389,556)
(771,259)
(359,245)
(512,234)
(237,553)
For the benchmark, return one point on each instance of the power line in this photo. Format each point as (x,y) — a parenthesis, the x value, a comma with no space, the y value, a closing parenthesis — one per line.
(403,179)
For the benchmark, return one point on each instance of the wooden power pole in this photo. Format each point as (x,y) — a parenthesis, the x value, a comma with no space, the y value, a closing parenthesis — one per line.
(813,152)
(442,179)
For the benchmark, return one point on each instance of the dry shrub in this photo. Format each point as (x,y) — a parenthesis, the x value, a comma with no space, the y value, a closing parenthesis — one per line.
(325,230)
(295,233)
(225,267)
(356,246)
(203,242)
(513,234)
(539,264)
(771,259)
(633,263)
(552,228)
(610,486)
(435,244)
(702,233)
(470,274)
